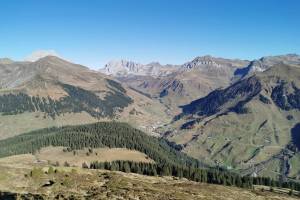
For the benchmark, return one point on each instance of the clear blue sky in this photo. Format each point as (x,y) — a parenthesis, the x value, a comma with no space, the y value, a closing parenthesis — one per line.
(170,31)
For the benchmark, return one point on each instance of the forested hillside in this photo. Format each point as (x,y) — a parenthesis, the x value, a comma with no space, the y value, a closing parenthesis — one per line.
(168,161)
(102,134)
(78,100)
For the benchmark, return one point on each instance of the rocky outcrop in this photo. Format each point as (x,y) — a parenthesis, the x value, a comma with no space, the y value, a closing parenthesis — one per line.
(121,68)
(208,61)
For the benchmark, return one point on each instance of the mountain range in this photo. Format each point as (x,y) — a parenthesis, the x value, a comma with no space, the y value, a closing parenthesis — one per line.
(175,85)
(229,112)
(54,92)
(235,114)
(248,125)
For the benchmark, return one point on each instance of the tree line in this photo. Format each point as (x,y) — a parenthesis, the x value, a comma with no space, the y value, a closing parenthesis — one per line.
(78,100)
(205,175)
(101,134)
(168,160)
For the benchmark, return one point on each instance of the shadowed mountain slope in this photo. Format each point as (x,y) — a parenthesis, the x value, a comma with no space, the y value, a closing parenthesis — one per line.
(247,125)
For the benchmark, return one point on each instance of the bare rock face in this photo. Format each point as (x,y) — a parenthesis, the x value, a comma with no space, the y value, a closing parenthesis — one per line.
(200,62)
(208,61)
(121,68)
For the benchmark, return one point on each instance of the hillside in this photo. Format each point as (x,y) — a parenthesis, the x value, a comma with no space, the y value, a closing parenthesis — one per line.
(54,92)
(48,162)
(249,126)
(75,183)
(235,134)
(101,134)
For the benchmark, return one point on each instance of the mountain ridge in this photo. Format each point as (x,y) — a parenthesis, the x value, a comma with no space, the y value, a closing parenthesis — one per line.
(51,89)
(124,67)
(247,125)
(198,77)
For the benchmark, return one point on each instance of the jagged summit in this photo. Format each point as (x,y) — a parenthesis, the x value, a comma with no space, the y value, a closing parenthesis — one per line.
(199,62)
(208,61)
(121,67)
(124,68)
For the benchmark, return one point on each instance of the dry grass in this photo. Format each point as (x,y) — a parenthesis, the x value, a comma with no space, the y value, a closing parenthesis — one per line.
(57,154)
(12,125)
(81,183)
(100,184)
(76,158)
(251,140)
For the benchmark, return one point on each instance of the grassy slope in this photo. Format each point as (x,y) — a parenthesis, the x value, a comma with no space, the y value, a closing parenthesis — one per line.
(252,137)
(52,155)
(45,79)
(99,184)
(12,125)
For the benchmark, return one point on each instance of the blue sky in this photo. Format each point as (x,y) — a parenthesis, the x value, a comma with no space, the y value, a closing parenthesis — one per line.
(169,31)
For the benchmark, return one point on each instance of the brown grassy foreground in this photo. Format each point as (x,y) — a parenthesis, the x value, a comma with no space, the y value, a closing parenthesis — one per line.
(98,184)
(54,155)
(76,158)
(23,178)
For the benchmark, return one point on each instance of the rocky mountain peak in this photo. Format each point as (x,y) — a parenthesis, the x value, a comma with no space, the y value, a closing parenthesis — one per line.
(201,61)
(122,68)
